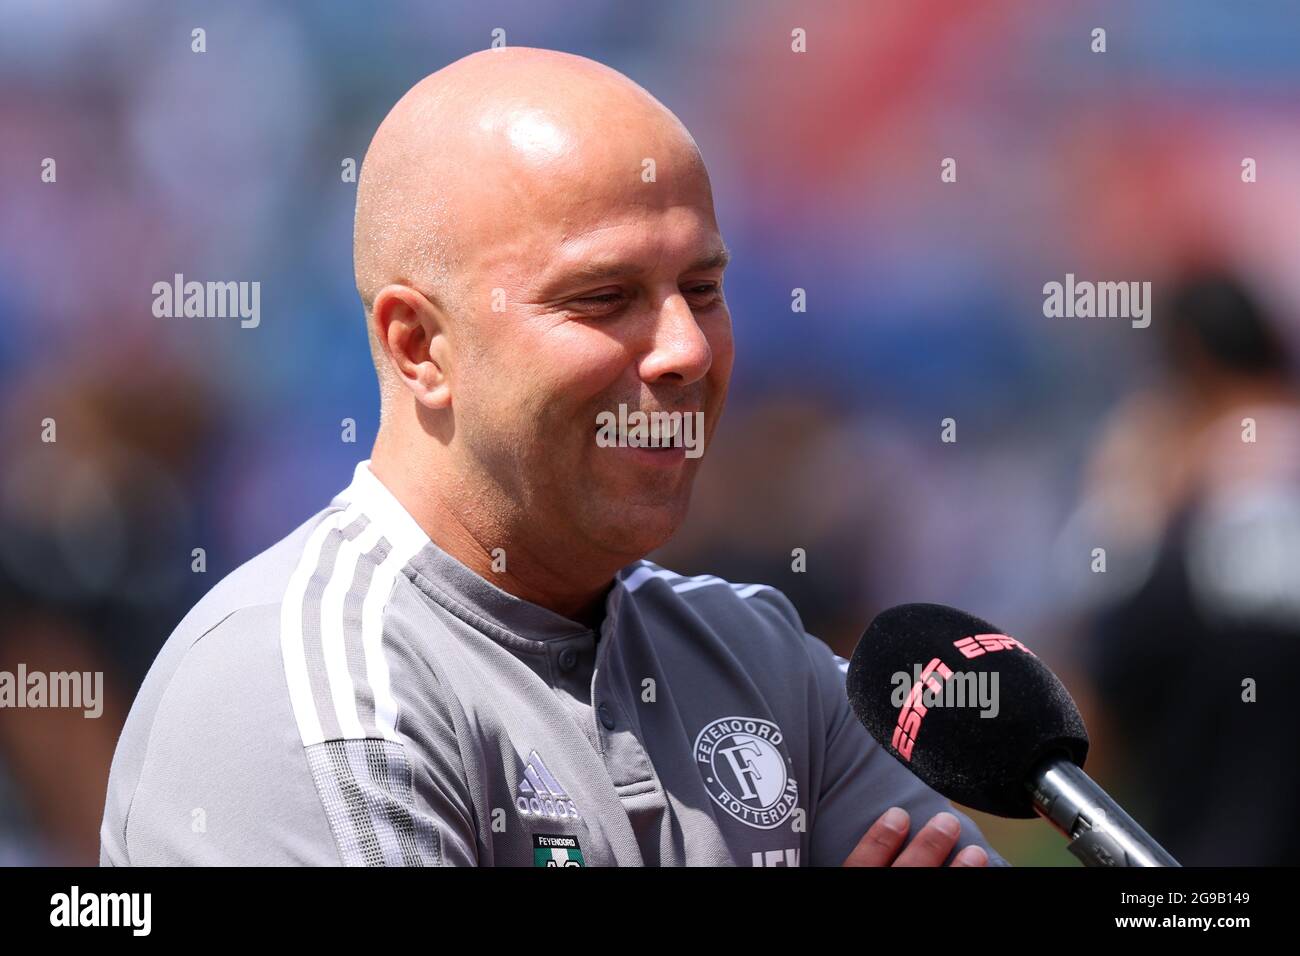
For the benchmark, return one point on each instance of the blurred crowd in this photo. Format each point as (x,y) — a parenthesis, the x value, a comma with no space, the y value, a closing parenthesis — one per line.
(1175,448)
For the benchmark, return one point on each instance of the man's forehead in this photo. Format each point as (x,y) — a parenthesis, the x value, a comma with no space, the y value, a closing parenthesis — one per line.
(543,243)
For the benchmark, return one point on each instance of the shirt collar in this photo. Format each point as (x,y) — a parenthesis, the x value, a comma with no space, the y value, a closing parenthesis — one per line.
(451,584)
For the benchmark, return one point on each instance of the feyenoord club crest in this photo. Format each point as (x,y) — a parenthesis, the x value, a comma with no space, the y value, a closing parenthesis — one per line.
(746,771)
(552,849)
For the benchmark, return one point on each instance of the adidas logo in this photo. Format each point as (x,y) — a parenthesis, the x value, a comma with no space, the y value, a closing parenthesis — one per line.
(540,794)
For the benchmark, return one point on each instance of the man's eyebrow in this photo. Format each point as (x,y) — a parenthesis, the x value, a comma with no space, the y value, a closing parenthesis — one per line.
(714,260)
(607,269)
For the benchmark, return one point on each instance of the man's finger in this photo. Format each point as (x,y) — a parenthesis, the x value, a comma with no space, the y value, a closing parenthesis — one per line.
(972,855)
(880,844)
(933,844)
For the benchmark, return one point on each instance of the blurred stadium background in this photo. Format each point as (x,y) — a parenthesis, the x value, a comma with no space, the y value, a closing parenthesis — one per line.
(924,302)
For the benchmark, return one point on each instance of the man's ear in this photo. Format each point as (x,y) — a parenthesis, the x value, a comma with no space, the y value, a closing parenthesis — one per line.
(413,334)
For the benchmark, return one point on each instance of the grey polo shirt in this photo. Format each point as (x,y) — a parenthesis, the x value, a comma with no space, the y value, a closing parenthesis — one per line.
(355,695)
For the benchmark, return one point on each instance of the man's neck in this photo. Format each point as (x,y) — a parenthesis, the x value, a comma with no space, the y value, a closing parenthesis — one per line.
(499,556)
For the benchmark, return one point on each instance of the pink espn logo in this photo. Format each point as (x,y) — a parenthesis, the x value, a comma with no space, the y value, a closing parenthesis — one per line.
(988,643)
(913,712)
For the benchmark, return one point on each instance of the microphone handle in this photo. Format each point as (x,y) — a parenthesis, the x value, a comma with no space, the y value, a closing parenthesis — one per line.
(1100,832)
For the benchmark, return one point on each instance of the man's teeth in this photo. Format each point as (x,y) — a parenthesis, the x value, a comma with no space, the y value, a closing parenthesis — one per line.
(645,438)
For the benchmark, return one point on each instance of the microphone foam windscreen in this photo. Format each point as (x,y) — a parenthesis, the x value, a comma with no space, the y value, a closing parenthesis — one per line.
(966,708)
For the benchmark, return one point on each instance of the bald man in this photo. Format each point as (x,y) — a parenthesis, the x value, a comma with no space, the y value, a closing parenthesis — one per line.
(465,659)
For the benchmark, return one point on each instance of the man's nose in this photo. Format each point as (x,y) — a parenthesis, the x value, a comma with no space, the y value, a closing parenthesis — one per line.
(678,350)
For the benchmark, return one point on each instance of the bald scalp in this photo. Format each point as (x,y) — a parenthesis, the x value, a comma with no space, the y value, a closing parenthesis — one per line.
(456,140)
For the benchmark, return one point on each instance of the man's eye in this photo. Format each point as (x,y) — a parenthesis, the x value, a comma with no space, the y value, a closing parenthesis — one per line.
(607,298)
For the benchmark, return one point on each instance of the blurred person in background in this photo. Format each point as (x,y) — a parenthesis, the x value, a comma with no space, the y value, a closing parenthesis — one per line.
(96,531)
(1194,490)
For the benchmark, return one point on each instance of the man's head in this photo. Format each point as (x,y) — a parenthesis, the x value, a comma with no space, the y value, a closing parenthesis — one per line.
(536,244)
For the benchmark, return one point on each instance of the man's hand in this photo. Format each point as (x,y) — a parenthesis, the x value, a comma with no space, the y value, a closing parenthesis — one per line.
(879,846)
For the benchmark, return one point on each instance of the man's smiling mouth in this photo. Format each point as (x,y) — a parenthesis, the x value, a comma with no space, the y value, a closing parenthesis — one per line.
(651,431)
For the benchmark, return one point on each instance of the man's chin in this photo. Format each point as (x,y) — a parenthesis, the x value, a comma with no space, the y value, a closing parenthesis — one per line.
(634,529)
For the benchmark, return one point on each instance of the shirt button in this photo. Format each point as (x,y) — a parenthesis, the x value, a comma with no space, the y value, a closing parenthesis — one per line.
(606,717)
(568,659)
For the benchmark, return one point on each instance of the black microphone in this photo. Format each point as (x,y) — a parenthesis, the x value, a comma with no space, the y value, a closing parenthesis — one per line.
(979,718)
